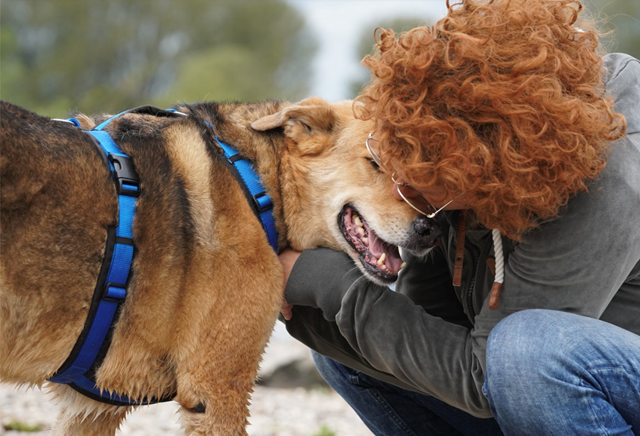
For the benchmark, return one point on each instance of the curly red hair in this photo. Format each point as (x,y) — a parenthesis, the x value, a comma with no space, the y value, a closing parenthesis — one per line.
(502,100)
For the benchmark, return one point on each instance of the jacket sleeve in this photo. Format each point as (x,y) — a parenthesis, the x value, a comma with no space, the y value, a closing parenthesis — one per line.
(427,282)
(383,333)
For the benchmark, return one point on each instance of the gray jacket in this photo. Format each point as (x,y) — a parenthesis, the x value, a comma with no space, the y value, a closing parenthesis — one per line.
(431,337)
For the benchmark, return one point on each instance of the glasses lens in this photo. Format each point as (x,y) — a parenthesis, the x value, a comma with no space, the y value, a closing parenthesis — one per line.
(415,199)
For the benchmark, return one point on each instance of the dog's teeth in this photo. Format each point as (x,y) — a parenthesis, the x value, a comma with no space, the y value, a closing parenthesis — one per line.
(360,230)
(365,240)
(358,221)
(402,265)
(383,257)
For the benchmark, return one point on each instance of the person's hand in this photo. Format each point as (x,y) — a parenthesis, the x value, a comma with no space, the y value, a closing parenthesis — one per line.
(287,259)
(286,310)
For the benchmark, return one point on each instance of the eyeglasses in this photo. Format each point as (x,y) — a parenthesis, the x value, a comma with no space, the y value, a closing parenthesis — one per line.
(409,194)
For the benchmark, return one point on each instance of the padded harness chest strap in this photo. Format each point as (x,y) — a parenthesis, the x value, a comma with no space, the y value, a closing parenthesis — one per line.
(78,371)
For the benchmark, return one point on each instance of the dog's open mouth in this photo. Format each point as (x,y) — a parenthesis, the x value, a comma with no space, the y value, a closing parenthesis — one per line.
(378,257)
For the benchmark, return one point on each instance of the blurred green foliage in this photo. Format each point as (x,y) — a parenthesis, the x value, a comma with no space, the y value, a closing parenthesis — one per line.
(14,425)
(57,56)
(325,431)
(621,19)
(618,19)
(110,55)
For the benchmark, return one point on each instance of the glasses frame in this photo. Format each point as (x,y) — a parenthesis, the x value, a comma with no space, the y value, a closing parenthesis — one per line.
(378,161)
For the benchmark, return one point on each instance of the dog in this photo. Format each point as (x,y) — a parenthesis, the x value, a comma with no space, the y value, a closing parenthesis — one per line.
(206,286)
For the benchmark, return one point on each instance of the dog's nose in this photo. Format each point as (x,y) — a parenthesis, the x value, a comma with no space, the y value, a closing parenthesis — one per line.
(424,226)
(425,233)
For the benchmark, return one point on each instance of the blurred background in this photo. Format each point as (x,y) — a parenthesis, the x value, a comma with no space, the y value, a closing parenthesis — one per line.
(57,56)
(94,56)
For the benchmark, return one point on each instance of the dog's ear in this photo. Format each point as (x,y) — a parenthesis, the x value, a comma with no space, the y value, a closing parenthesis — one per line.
(301,121)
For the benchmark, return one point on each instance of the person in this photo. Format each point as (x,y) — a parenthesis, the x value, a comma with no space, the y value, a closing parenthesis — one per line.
(508,113)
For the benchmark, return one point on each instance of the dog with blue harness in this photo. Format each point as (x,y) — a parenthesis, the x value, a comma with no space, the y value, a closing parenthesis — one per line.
(139,251)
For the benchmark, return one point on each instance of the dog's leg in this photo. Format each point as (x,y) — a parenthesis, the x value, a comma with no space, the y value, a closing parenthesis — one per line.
(216,378)
(80,415)
(215,394)
(102,424)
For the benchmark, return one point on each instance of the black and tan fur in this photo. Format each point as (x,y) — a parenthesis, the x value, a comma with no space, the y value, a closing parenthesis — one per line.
(206,286)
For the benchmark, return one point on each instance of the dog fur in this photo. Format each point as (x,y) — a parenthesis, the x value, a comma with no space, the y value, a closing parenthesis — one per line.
(206,287)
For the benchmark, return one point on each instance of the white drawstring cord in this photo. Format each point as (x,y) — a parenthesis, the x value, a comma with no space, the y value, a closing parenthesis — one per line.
(494,300)
(497,247)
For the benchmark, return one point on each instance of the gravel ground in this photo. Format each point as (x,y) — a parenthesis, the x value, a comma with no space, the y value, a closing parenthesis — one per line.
(278,411)
(282,412)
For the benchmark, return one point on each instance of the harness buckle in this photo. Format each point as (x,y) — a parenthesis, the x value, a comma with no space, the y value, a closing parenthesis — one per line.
(263,202)
(127,179)
(114,292)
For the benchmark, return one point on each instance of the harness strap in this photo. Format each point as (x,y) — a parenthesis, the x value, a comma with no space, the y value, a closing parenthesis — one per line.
(78,371)
(249,181)
(260,201)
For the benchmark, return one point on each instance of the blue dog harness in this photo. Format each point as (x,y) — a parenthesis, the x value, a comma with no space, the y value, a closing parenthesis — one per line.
(250,182)
(79,370)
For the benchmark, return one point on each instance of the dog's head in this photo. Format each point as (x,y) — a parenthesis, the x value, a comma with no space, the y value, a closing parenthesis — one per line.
(335,195)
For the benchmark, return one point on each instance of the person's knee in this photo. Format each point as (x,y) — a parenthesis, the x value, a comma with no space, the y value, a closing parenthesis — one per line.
(527,348)
(540,351)
(536,339)
(543,364)
(519,338)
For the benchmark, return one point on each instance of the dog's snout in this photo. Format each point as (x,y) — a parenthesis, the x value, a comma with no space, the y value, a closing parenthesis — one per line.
(425,233)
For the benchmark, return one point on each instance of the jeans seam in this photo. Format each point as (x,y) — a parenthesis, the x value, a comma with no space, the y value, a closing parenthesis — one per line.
(350,374)
(392,413)
(593,413)
(592,370)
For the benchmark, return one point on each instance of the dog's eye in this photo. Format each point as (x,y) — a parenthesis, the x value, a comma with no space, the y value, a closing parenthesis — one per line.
(374,164)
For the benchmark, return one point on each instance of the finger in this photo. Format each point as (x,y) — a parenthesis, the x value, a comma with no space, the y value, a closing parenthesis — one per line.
(286,311)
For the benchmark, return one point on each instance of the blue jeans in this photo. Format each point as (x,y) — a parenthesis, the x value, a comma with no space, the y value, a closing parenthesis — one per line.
(548,373)
(389,410)
(556,373)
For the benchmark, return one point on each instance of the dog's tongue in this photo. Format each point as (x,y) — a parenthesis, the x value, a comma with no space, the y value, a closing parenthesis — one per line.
(378,247)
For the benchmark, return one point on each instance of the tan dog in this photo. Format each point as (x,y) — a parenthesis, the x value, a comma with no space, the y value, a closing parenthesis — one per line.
(206,287)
